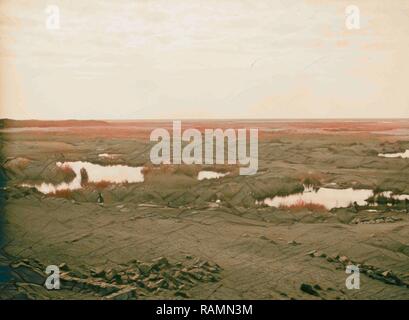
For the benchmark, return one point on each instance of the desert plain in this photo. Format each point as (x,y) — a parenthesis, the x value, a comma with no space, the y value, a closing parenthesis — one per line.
(173,236)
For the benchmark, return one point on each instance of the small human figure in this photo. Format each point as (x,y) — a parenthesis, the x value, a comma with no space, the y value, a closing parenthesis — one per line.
(84,177)
(356,207)
(100,199)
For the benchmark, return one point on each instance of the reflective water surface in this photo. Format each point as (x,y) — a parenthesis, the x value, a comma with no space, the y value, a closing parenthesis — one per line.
(330,198)
(96,173)
(210,175)
(395,155)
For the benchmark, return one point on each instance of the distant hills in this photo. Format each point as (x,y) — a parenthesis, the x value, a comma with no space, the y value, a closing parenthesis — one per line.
(10,123)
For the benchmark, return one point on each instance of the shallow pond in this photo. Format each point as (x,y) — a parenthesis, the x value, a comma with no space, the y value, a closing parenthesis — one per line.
(210,175)
(330,198)
(395,155)
(96,173)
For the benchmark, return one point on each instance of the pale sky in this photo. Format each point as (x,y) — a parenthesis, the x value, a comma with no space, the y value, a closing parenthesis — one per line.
(144,59)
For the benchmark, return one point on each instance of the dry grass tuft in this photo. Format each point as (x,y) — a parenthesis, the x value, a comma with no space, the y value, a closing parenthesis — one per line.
(312,179)
(302,205)
(103,184)
(64,193)
(66,173)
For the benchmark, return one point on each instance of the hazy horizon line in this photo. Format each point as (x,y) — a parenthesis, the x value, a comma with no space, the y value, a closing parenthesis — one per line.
(212,119)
